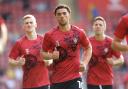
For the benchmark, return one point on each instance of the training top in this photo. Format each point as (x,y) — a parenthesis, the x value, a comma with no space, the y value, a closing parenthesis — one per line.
(68,44)
(35,73)
(99,71)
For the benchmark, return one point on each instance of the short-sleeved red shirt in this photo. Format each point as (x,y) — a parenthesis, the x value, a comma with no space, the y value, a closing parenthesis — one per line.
(68,43)
(35,73)
(100,72)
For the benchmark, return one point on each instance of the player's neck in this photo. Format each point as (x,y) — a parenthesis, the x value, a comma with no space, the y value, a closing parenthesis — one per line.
(100,37)
(65,28)
(31,35)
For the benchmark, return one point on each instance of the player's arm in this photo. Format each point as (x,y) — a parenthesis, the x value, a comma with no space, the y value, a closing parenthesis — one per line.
(46,46)
(3,38)
(116,61)
(18,62)
(86,58)
(4,33)
(50,55)
(87,54)
(117,45)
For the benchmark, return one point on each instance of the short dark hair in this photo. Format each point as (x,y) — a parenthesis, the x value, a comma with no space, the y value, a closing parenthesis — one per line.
(62,6)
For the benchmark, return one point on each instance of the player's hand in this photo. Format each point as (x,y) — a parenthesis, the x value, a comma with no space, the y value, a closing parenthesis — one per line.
(21,60)
(82,67)
(55,55)
(110,61)
(48,62)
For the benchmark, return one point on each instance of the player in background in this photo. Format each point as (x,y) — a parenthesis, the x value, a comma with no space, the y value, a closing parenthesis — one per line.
(100,75)
(26,53)
(120,34)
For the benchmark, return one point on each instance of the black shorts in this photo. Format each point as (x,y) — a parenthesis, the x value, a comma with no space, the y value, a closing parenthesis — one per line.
(99,86)
(42,87)
(71,84)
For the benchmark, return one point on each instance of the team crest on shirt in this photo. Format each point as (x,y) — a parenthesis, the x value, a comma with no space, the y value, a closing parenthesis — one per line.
(72,41)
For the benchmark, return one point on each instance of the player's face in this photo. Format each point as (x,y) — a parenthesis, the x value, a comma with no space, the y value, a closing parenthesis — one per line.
(99,27)
(62,16)
(29,25)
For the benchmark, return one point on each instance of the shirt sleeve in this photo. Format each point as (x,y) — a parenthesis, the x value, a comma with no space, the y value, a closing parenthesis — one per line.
(112,52)
(15,51)
(84,39)
(47,43)
(121,29)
